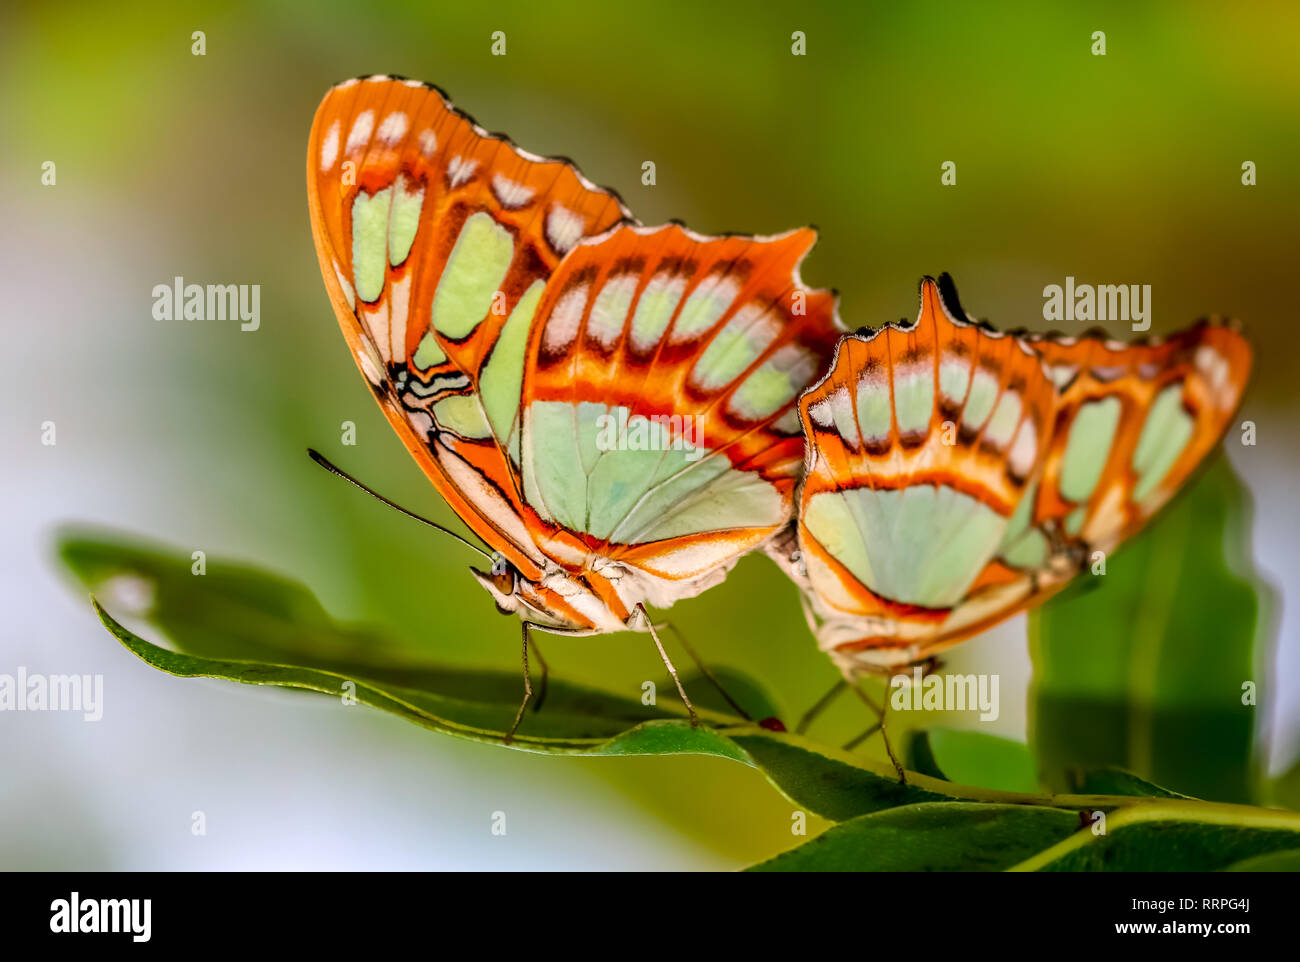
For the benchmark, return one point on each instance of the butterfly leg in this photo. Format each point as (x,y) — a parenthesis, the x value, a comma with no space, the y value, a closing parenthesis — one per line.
(881,713)
(889,746)
(820,706)
(686,700)
(546,673)
(681,639)
(528,686)
(861,737)
(867,700)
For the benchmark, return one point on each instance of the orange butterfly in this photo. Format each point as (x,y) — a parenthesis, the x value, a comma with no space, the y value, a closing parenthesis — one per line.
(956,475)
(610,407)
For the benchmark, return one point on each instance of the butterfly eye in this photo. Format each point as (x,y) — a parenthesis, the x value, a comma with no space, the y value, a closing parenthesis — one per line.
(503,574)
(501,585)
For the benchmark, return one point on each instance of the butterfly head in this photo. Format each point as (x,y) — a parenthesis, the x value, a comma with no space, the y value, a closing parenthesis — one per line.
(536,602)
(559,600)
(501,581)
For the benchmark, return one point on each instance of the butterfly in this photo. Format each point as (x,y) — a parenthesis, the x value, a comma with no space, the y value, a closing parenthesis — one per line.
(956,475)
(609,407)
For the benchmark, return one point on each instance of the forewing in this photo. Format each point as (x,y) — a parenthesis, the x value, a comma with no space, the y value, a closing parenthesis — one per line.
(1133,422)
(435,240)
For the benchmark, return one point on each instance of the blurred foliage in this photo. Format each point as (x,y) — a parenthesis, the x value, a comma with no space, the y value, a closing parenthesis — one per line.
(1144,667)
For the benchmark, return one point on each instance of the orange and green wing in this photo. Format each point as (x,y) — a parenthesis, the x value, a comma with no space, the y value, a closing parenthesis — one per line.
(1133,422)
(434,237)
(957,475)
(658,429)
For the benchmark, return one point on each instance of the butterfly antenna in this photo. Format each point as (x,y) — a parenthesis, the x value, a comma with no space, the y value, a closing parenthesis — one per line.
(335,470)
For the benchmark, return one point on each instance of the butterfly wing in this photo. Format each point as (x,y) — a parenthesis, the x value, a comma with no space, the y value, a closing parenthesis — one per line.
(1024,454)
(922,442)
(1132,424)
(435,241)
(659,435)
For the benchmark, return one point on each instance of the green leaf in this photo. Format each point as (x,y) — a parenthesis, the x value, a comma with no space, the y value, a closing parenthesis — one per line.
(241,624)
(1148,835)
(831,784)
(1284,790)
(1116,781)
(234,611)
(957,836)
(1285,861)
(975,758)
(747,692)
(1142,668)
(469,703)
(480,705)
(1172,835)
(920,755)
(925,823)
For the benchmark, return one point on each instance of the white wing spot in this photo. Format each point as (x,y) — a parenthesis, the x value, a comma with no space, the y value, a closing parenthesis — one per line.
(460,170)
(820,412)
(609,311)
(428,142)
(1213,366)
(361,128)
(378,323)
(1002,425)
(1108,372)
(399,308)
(347,288)
(329,148)
(562,326)
(510,194)
(393,129)
(563,228)
(1061,374)
(422,421)
(1024,450)
(370,365)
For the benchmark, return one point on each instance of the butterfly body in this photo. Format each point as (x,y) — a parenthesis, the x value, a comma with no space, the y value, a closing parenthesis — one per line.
(578,603)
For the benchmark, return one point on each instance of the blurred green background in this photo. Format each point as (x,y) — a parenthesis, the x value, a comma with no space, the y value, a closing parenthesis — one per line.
(1123,168)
